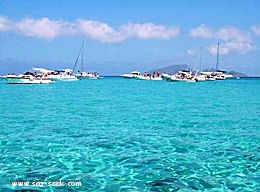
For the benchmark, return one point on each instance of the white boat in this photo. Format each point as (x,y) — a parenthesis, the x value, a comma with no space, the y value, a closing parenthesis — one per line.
(183,76)
(225,74)
(208,76)
(149,78)
(219,76)
(167,77)
(133,74)
(182,80)
(228,76)
(87,75)
(27,78)
(82,73)
(58,75)
(199,78)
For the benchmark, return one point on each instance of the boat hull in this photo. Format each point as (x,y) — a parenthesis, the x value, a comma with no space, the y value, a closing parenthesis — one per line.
(220,78)
(133,74)
(149,78)
(87,76)
(200,78)
(182,80)
(62,78)
(167,77)
(127,76)
(18,80)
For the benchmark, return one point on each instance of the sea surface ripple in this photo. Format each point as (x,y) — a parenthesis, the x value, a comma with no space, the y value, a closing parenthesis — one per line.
(116,134)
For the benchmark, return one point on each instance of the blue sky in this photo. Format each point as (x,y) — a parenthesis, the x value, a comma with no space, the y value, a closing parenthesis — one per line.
(123,36)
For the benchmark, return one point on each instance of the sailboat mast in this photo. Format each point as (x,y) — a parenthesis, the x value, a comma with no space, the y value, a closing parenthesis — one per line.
(201,58)
(80,52)
(82,56)
(217,58)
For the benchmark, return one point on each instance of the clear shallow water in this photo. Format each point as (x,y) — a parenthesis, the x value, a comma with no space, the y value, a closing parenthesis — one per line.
(116,134)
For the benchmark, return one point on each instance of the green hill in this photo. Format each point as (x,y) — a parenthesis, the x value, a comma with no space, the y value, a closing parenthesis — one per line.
(172,69)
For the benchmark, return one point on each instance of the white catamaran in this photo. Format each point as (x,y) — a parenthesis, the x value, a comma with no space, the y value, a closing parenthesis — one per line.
(58,75)
(219,74)
(81,73)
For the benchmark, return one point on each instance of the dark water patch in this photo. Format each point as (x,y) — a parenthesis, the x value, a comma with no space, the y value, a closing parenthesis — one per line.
(168,184)
(194,185)
(180,150)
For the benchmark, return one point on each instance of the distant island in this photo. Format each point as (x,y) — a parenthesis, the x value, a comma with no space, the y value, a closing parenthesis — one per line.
(173,69)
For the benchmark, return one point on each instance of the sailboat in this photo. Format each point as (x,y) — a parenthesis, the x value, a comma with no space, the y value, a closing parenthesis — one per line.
(220,74)
(199,76)
(82,74)
(202,75)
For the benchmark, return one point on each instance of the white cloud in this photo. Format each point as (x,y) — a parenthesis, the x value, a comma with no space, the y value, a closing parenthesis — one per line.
(42,28)
(99,31)
(202,31)
(50,29)
(232,47)
(4,24)
(226,33)
(256,29)
(233,34)
(222,50)
(150,31)
(233,39)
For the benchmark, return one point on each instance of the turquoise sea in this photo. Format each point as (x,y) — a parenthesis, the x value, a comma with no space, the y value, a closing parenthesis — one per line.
(116,134)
